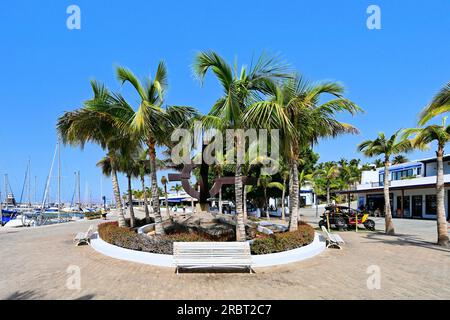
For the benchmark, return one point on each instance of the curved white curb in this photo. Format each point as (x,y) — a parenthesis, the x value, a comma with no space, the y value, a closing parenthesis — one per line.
(295,255)
(160,260)
(165,260)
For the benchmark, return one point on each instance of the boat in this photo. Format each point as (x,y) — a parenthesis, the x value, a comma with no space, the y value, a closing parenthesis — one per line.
(8,214)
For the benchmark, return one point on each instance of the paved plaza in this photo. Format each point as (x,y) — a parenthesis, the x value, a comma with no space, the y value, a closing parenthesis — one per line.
(35,264)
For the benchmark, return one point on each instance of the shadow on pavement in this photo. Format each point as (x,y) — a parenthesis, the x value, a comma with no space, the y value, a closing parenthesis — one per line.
(405,240)
(25,295)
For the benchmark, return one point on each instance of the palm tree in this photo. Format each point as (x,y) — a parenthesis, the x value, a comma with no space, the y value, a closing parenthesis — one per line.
(265,182)
(239,91)
(218,170)
(89,125)
(177,188)
(284,173)
(328,174)
(304,178)
(138,194)
(164,182)
(423,137)
(144,169)
(296,109)
(378,163)
(440,104)
(129,164)
(150,121)
(399,159)
(386,147)
(109,167)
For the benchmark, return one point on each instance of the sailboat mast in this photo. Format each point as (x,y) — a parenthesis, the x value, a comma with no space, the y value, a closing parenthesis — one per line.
(35,189)
(47,185)
(6,189)
(79,191)
(29,182)
(59,180)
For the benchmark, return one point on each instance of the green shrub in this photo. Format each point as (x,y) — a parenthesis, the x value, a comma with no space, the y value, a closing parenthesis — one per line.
(92,215)
(128,239)
(187,237)
(279,242)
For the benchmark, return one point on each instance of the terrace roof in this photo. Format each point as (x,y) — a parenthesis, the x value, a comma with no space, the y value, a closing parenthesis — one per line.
(380,189)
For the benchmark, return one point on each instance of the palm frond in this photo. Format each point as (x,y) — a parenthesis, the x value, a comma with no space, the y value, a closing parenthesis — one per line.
(211,60)
(126,75)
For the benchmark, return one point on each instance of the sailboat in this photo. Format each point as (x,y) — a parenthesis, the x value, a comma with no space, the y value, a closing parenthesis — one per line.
(18,214)
(44,214)
(8,208)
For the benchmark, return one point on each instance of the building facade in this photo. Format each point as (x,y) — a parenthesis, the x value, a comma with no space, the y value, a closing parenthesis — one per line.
(412,188)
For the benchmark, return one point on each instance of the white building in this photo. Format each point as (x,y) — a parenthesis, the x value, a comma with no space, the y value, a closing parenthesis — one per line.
(307,197)
(412,189)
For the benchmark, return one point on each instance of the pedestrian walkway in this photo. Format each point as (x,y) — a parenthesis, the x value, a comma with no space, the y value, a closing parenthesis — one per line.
(35,264)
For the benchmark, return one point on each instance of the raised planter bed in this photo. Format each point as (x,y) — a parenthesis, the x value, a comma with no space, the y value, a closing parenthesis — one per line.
(165,260)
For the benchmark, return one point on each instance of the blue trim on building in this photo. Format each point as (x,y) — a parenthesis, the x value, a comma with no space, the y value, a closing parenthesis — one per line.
(400,168)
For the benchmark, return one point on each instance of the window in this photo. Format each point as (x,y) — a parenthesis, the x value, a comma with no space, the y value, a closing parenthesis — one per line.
(406,205)
(430,204)
(419,171)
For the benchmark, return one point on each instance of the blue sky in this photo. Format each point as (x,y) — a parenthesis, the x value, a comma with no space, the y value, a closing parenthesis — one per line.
(391,73)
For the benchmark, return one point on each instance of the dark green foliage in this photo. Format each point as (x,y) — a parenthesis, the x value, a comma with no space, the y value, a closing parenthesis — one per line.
(284,241)
(93,215)
(126,238)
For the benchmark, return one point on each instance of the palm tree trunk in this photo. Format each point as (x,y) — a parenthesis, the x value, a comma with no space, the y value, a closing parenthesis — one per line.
(144,192)
(130,203)
(266,205)
(389,225)
(245,203)
(440,194)
(220,199)
(290,190)
(293,223)
(167,200)
(159,230)
(328,195)
(240,224)
(283,216)
(116,189)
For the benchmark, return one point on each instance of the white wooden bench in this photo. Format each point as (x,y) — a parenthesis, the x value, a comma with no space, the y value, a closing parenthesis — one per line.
(212,255)
(333,240)
(84,237)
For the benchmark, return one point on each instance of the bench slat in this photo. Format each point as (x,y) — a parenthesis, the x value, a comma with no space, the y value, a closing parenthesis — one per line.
(212,254)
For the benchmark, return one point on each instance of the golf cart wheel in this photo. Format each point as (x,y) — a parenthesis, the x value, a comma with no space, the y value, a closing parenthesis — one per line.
(369,225)
(341,224)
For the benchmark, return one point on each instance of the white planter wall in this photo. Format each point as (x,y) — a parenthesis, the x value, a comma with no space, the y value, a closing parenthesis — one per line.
(164,260)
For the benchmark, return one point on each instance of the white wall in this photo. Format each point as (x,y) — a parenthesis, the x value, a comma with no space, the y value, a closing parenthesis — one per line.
(369,176)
